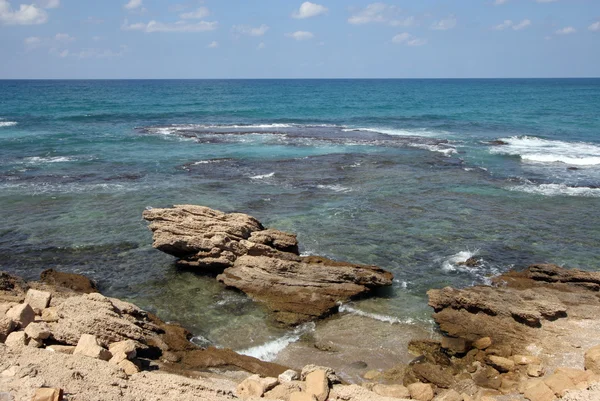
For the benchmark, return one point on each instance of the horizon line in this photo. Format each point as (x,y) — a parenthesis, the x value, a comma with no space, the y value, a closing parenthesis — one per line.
(282,79)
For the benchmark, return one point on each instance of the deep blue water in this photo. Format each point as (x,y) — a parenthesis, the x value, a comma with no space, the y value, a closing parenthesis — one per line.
(398,173)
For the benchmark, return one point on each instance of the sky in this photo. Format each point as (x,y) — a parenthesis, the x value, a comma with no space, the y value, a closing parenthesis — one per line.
(84,39)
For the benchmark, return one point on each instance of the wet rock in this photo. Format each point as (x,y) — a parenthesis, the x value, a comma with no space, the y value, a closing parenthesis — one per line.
(455,345)
(263,263)
(317,384)
(391,390)
(471,262)
(38,330)
(38,300)
(22,314)
(88,346)
(430,373)
(372,375)
(420,391)
(430,350)
(71,281)
(498,142)
(592,359)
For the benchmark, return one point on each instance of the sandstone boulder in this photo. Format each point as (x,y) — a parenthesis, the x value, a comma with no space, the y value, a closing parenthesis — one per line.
(317,384)
(88,346)
(7,326)
(263,263)
(448,395)
(128,367)
(501,364)
(38,331)
(22,314)
(288,376)
(63,349)
(122,350)
(70,281)
(16,339)
(38,300)
(391,390)
(255,386)
(592,359)
(48,394)
(298,396)
(420,391)
(539,392)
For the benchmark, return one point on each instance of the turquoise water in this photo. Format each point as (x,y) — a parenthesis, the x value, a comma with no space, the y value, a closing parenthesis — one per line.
(398,173)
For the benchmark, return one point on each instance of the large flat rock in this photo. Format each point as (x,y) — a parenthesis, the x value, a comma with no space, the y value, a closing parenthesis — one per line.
(263,263)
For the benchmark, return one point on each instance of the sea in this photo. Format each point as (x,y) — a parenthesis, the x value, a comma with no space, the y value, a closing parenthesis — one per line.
(415,176)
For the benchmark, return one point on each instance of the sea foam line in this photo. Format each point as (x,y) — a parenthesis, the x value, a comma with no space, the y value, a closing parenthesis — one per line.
(375,316)
(557,190)
(8,123)
(537,150)
(268,351)
(262,176)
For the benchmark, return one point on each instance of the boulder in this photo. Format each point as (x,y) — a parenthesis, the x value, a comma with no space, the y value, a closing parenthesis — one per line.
(128,367)
(430,373)
(38,300)
(577,376)
(284,390)
(50,315)
(539,391)
(16,339)
(501,364)
(559,383)
(33,343)
(482,343)
(391,390)
(7,326)
(317,384)
(48,394)
(331,376)
(448,395)
(22,314)
(455,345)
(122,350)
(71,281)
(592,359)
(298,396)
(263,263)
(288,376)
(255,386)
(88,346)
(420,391)
(38,330)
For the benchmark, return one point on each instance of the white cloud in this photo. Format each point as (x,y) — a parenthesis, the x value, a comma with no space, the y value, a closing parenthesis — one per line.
(595,27)
(261,46)
(500,2)
(444,24)
(566,31)
(27,14)
(546,1)
(408,21)
(32,42)
(506,24)
(522,25)
(200,13)
(374,12)
(133,4)
(308,9)
(408,39)
(179,26)
(64,37)
(250,31)
(213,45)
(300,35)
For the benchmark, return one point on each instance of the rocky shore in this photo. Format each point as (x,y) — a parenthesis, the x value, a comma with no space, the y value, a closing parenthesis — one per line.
(530,335)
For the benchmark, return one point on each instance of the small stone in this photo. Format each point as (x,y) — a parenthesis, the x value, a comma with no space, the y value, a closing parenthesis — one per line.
(7,326)
(118,358)
(48,394)
(288,376)
(128,347)
(539,392)
(88,346)
(483,343)
(33,343)
(391,390)
(535,370)
(297,396)
(22,314)
(317,384)
(63,349)
(372,374)
(455,345)
(38,300)
(16,339)
(559,383)
(526,360)
(448,395)
(50,315)
(500,363)
(128,367)
(592,359)
(420,391)
(38,330)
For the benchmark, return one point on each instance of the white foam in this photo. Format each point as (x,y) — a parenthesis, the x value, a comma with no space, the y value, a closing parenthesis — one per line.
(208,162)
(262,176)
(268,352)
(447,150)
(7,123)
(557,190)
(336,188)
(451,263)
(400,132)
(538,150)
(55,159)
(375,316)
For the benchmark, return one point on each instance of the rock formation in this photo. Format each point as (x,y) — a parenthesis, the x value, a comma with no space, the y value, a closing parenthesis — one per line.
(263,263)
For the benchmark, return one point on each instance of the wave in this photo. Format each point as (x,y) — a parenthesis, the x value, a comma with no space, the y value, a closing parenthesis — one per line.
(262,176)
(400,132)
(557,190)
(268,351)
(336,188)
(538,150)
(453,262)
(447,150)
(55,159)
(8,123)
(375,316)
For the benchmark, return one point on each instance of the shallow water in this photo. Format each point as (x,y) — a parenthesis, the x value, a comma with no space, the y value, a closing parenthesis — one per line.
(398,173)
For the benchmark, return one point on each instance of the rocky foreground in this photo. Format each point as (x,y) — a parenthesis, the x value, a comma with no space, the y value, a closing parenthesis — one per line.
(263,263)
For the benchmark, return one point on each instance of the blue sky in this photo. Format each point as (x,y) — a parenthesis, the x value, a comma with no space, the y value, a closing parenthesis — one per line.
(292,39)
